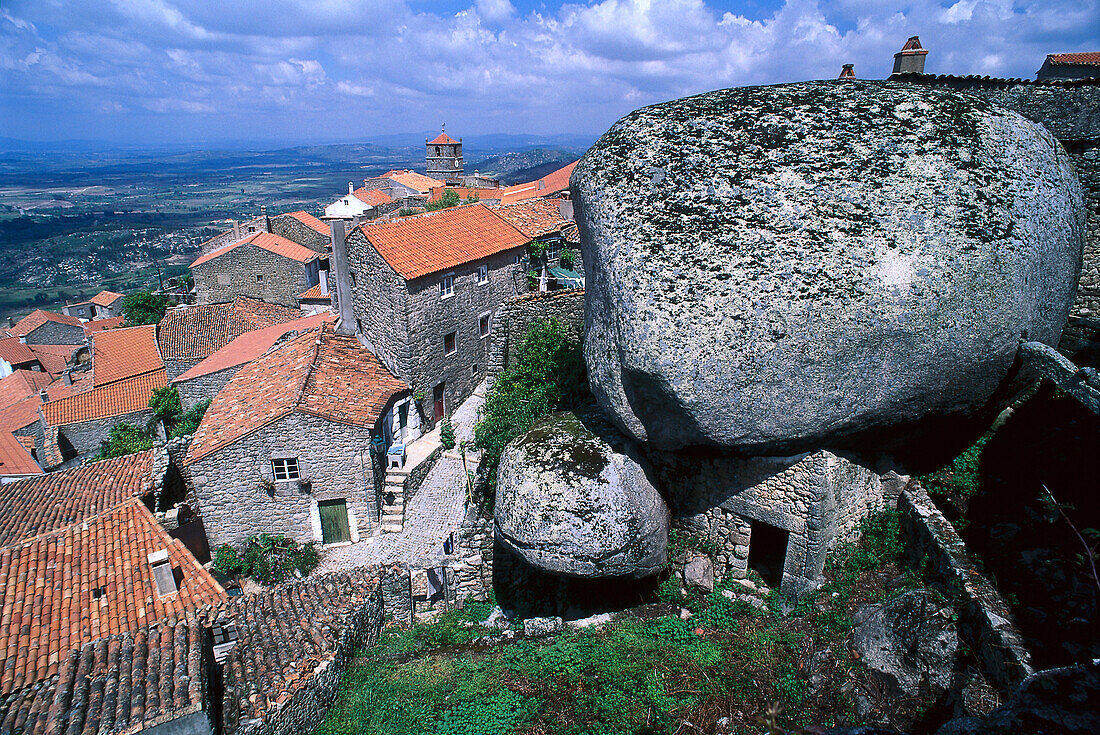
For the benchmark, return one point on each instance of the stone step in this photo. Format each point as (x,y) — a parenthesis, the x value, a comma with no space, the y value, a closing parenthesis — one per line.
(393,527)
(393,517)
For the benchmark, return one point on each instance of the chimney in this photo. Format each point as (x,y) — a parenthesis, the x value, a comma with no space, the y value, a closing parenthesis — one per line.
(162,572)
(236,231)
(848,72)
(43,395)
(323,276)
(910,60)
(11,321)
(351,187)
(67,377)
(22,338)
(346,323)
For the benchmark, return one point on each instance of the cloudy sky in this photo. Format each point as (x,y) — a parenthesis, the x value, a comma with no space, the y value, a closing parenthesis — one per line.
(314,70)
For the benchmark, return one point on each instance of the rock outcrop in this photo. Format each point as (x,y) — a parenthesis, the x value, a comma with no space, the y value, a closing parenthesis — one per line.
(573,498)
(838,264)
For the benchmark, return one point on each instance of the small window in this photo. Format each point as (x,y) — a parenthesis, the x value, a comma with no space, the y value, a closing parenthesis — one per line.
(483,274)
(351,275)
(450,343)
(259,278)
(251,228)
(519,259)
(447,286)
(163,576)
(359,324)
(285,469)
(553,250)
(483,325)
(473,370)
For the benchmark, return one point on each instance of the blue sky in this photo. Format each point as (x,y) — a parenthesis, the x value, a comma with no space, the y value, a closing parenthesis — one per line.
(153,71)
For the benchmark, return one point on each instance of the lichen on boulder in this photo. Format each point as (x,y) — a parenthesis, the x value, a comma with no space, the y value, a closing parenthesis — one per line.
(778,269)
(574,498)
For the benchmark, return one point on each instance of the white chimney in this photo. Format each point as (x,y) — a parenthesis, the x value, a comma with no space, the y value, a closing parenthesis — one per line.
(323,275)
(351,187)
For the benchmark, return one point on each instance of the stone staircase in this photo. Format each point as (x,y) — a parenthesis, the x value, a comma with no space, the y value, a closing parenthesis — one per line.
(393,501)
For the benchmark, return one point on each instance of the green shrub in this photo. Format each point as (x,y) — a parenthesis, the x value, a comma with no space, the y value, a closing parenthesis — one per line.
(498,714)
(568,258)
(273,559)
(125,439)
(165,403)
(227,560)
(447,433)
(961,478)
(188,422)
(448,199)
(143,307)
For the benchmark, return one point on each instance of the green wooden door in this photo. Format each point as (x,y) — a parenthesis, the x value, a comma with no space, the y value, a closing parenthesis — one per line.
(334,521)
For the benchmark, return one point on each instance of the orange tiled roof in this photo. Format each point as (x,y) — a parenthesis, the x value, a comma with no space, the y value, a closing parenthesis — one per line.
(32,507)
(319,372)
(54,358)
(413,180)
(85,581)
(124,353)
(372,197)
(114,399)
(20,414)
(21,384)
(533,217)
(98,325)
(250,345)
(429,243)
(314,293)
(38,317)
(265,240)
(311,222)
(1089,58)
(15,352)
(551,183)
(196,332)
(466,192)
(442,139)
(105,298)
(14,457)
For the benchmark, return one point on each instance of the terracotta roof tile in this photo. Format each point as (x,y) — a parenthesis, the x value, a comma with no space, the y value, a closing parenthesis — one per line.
(15,459)
(21,414)
(54,358)
(105,298)
(38,317)
(15,352)
(250,345)
(114,399)
(21,384)
(467,192)
(272,243)
(311,222)
(534,217)
(81,381)
(32,507)
(123,353)
(98,325)
(372,197)
(551,183)
(412,179)
(442,139)
(1088,58)
(318,372)
(196,332)
(436,241)
(314,293)
(85,581)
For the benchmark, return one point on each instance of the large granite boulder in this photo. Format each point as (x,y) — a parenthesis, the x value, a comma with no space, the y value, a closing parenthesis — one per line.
(776,269)
(574,498)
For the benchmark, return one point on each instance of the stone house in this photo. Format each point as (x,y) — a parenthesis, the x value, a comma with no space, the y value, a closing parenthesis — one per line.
(205,379)
(261,266)
(104,305)
(300,227)
(362,203)
(1070,66)
(15,355)
(16,460)
(554,185)
(187,335)
(42,327)
(541,219)
(287,446)
(424,290)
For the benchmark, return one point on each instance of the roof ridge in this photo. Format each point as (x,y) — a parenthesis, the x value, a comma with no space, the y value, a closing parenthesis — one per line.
(82,522)
(313,365)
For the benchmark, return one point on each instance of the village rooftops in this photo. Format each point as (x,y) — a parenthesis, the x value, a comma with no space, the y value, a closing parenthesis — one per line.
(372,197)
(551,183)
(196,332)
(119,398)
(15,458)
(39,317)
(413,180)
(123,353)
(15,352)
(99,325)
(487,194)
(318,373)
(1086,58)
(534,217)
(251,345)
(269,242)
(105,298)
(311,222)
(428,243)
(54,358)
(21,384)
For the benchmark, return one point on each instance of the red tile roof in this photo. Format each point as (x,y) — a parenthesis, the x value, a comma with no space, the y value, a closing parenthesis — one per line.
(54,358)
(196,332)
(98,325)
(38,317)
(311,222)
(250,345)
(15,352)
(319,373)
(105,298)
(534,217)
(124,353)
(314,293)
(412,179)
(466,192)
(14,458)
(32,507)
(21,384)
(20,414)
(436,241)
(84,581)
(265,240)
(114,399)
(442,139)
(372,197)
(1087,58)
(551,183)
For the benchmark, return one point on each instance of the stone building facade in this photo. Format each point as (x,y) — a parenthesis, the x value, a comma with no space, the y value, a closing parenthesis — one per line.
(518,313)
(261,266)
(300,227)
(42,327)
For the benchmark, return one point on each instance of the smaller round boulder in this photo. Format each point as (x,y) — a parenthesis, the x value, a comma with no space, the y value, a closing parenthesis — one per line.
(574,498)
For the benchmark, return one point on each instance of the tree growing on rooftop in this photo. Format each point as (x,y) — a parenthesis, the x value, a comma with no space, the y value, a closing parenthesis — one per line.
(143,307)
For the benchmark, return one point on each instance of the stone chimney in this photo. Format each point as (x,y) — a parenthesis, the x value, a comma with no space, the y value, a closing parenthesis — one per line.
(910,60)
(67,377)
(236,230)
(11,321)
(848,72)
(346,323)
(266,219)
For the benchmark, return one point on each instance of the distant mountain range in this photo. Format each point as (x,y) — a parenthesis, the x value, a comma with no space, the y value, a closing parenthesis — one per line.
(520,166)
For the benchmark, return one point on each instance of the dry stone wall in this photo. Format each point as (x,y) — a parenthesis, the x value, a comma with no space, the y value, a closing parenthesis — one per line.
(56,333)
(205,386)
(252,271)
(517,314)
(87,437)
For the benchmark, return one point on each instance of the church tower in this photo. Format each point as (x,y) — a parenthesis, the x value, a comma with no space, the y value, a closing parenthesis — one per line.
(445,158)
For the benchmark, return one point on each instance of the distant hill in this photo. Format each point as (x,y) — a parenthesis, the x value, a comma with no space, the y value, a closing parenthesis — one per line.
(520,166)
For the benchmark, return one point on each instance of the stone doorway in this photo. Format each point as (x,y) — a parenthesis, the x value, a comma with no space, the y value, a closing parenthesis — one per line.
(768,552)
(437,403)
(335,528)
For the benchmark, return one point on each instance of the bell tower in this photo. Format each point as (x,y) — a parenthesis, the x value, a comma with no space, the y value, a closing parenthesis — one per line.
(444,158)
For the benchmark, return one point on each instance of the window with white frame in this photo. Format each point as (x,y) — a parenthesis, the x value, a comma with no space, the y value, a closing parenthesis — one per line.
(450,343)
(447,286)
(483,274)
(285,469)
(553,250)
(483,325)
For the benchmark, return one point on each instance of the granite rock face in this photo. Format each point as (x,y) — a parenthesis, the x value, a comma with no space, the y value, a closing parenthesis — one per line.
(573,498)
(776,269)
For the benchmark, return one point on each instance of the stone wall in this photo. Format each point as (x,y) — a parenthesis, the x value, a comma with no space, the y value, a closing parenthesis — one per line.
(379,303)
(174,368)
(252,271)
(56,333)
(205,386)
(291,228)
(984,617)
(517,313)
(228,493)
(819,499)
(87,437)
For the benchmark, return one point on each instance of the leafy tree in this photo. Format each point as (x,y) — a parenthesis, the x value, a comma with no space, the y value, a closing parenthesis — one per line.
(188,423)
(568,258)
(165,403)
(548,373)
(449,199)
(143,307)
(125,439)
